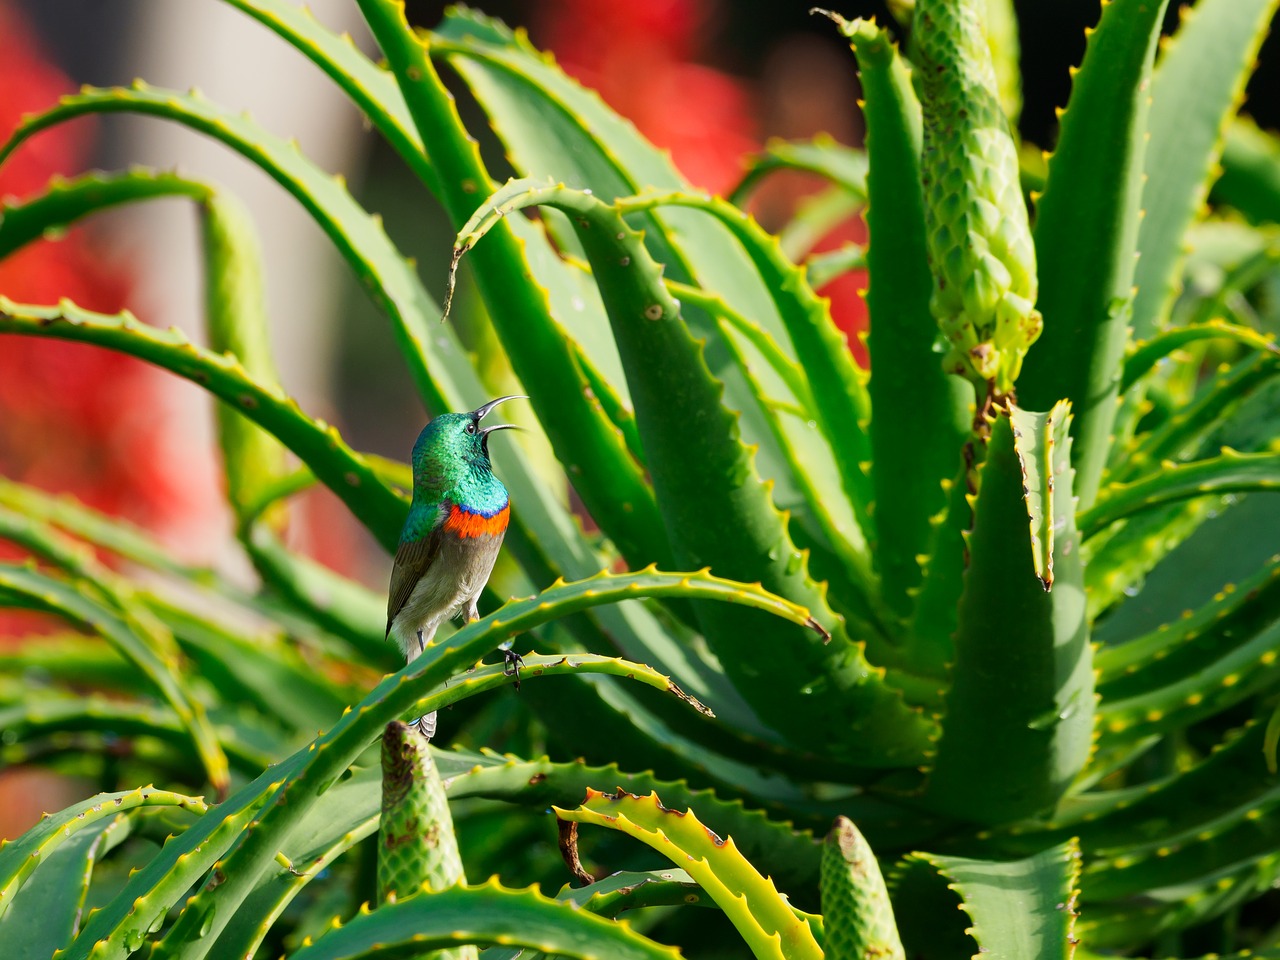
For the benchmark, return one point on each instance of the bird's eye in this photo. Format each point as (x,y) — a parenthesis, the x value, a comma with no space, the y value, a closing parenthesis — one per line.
(471,426)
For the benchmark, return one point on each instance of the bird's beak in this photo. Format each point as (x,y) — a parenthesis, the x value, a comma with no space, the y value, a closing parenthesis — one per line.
(482,411)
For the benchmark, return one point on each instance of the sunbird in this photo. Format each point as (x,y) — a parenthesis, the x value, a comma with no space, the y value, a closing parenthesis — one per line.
(451,536)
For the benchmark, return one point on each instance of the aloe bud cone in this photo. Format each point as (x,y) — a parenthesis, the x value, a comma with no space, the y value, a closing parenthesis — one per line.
(417,849)
(979,241)
(855,902)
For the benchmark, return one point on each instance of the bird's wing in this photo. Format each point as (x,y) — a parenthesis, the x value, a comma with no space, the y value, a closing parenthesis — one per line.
(413,558)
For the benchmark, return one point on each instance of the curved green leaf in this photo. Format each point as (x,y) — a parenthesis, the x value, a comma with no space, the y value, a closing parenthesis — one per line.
(18,858)
(488,914)
(370,87)
(1146,355)
(358,236)
(65,201)
(1232,472)
(292,786)
(1094,190)
(844,166)
(1195,89)
(787,854)
(751,902)
(236,317)
(318,445)
(1250,179)
(1238,673)
(138,638)
(552,127)
(840,402)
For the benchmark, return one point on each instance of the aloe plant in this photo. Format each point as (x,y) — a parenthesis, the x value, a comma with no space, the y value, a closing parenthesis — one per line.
(955,603)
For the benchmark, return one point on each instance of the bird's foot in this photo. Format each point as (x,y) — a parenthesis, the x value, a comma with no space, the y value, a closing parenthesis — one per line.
(511,664)
(422,644)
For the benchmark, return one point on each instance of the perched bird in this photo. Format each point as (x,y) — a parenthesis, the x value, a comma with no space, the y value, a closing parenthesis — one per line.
(452,535)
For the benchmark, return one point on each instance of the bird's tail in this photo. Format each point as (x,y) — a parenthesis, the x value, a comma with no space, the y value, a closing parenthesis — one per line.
(425,725)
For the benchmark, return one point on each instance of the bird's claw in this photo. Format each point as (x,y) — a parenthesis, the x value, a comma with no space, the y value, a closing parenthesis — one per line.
(511,664)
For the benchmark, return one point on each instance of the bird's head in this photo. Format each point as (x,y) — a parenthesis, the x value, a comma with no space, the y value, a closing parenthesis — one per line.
(454,444)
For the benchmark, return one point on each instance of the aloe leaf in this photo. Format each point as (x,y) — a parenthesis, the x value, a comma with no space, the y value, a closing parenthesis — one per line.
(48,908)
(357,235)
(1120,559)
(915,447)
(1180,648)
(1094,190)
(816,216)
(370,87)
(743,535)
(1183,432)
(292,786)
(257,669)
(855,903)
(236,316)
(1240,671)
(1016,910)
(112,534)
(786,853)
(1250,179)
(843,166)
(345,815)
(487,914)
(376,505)
(1229,840)
(630,890)
(1232,472)
(1195,90)
(1184,801)
(1147,354)
(840,402)
(65,201)
(343,607)
(610,482)
(1176,907)
(145,644)
(573,136)
(751,902)
(19,857)
(822,268)
(40,717)
(1023,673)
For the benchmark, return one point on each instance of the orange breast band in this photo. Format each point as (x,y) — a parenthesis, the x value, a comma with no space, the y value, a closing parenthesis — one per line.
(465,524)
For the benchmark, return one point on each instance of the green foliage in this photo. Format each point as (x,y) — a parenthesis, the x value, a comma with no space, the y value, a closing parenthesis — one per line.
(978,635)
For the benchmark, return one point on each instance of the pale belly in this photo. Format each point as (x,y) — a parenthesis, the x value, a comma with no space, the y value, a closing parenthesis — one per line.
(448,589)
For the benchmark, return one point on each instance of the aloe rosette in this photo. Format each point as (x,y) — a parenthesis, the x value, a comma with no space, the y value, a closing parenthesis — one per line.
(954,602)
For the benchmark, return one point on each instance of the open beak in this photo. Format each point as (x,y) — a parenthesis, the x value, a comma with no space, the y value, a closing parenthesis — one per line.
(482,411)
